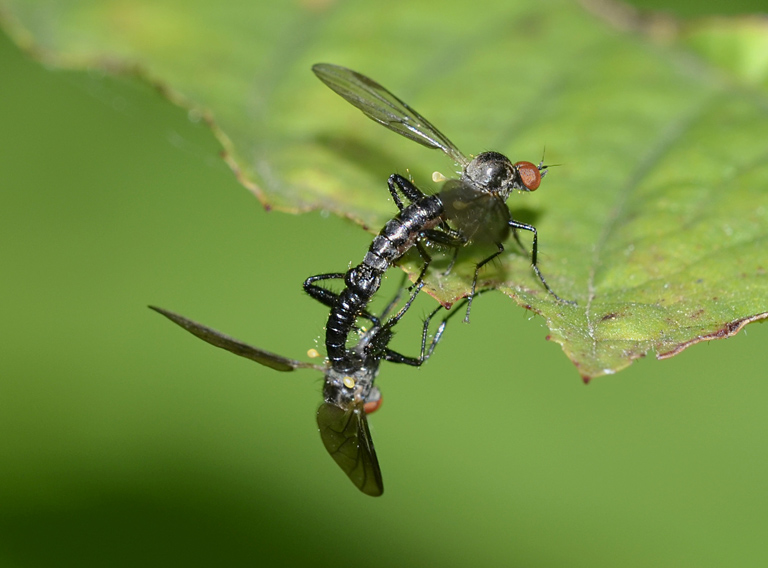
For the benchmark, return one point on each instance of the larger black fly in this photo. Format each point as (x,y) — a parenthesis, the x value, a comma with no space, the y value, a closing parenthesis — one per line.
(469,209)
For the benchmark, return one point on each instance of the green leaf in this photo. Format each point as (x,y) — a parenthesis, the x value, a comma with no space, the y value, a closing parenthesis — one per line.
(737,45)
(655,221)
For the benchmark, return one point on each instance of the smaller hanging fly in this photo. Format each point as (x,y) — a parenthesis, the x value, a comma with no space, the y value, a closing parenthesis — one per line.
(347,397)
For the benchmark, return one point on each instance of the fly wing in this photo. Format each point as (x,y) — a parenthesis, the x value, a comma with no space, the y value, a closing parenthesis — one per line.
(237,347)
(385,108)
(480,216)
(346,436)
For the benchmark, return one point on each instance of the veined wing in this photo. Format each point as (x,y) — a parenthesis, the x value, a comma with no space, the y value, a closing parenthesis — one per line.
(232,345)
(385,108)
(480,216)
(347,438)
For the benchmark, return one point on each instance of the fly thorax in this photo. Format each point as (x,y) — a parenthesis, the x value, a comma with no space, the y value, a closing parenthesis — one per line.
(493,173)
(338,393)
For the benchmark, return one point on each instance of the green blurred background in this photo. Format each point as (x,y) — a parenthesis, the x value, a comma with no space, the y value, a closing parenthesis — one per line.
(124,441)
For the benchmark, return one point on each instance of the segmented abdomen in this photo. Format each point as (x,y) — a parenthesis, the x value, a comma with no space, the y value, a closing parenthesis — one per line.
(364,280)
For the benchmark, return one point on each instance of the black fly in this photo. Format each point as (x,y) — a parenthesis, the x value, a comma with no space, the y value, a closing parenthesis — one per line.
(347,397)
(474,205)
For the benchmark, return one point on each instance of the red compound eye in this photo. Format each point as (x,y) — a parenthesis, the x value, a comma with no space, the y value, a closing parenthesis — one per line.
(529,175)
(372,406)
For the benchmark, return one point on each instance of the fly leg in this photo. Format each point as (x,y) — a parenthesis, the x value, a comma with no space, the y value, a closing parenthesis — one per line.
(450,238)
(394,301)
(427,260)
(385,333)
(517,237)
(328,297)
(474,280)
(534,253)
(426,351)
(389,354)
(446,237)
(390,323)
(322,295)
(410,191)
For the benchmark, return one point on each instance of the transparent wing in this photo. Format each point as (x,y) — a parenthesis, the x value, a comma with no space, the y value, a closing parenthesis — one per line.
(480,216)
(237,347)
(346,436)
(385,108)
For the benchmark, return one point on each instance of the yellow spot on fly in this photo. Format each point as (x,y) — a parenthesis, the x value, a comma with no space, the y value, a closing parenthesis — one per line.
(437,177)
(313,354)
(349,382)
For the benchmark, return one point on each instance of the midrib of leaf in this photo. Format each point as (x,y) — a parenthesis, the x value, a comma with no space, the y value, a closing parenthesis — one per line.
(667,140)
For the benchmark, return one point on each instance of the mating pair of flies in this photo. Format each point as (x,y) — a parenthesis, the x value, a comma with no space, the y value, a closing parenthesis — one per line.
(469,209)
